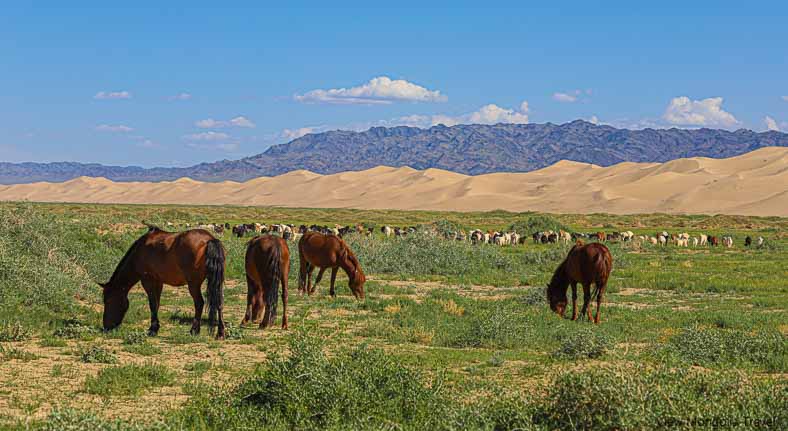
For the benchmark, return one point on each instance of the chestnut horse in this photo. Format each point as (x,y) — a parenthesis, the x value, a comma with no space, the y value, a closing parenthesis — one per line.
(584,264)
(159,258)
(328,251)
(267,266)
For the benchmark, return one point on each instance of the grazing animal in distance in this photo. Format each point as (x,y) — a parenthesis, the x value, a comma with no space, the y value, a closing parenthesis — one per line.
(158,258)
(652,240)
(600,236)
(695,241)
(747,241)
(713,241)
(727,241)
(704,239)
(328,251)
(585,264)
(267,267)
(760,241)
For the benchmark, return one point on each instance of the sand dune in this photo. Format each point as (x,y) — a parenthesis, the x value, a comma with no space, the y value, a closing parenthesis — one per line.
(752,184)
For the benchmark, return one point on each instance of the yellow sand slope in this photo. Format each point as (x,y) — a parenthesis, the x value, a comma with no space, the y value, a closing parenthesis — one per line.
(751,184)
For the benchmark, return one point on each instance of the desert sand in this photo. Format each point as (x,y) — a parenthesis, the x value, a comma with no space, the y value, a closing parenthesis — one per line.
(751,184)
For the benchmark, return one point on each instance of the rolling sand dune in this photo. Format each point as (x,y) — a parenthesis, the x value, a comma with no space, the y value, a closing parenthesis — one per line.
(752,184)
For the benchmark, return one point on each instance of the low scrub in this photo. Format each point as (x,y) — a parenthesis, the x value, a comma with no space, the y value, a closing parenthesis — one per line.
(710,346)
(129,380)
(584,343)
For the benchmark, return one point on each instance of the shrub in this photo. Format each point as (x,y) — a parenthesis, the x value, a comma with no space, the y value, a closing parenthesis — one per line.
(97,355)
(536,223)
(73,329)
(584,343)
(707,346)
(618,398)
(13,331)
(128,380)
(135,337)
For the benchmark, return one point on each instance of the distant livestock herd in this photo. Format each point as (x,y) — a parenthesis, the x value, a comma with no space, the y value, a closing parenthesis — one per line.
(291,232)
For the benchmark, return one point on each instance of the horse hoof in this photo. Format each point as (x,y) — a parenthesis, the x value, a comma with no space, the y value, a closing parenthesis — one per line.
(195,331)
(153,332)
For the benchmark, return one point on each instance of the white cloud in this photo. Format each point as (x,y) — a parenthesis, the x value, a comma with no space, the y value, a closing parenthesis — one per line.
(207,136)
(593,120)
(113,128)
(228,147)
(210,123)
(565,97)
(147,143)
(573,96)
(180,96)
(103,95)
(290,134)
(706,112)
(380,90)
(771,124)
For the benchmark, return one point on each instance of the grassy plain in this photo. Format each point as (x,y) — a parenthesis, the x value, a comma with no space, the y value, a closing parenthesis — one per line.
(450,336)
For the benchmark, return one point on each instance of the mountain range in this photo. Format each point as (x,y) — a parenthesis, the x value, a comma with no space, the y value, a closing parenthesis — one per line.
(467,149)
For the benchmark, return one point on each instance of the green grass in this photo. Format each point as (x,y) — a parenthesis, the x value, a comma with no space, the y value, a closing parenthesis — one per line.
(97,354)
(450,336)
(129,380)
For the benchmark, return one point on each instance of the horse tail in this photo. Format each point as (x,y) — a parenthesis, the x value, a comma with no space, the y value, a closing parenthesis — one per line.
(214,263)
(603,263)
(271,295)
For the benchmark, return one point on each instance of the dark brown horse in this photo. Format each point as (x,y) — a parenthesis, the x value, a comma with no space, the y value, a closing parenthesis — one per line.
(267,266)
(585,264)
(328,251)
(159,258)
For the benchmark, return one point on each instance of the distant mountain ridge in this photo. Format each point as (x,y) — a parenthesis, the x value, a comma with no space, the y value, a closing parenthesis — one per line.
(468,149)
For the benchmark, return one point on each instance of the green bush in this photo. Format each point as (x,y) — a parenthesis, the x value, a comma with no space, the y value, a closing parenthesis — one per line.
(536,223)
(710,346)
(97,355)
(611,398)
(135,337)
(129,380)
(358,389)
(584,343)
(13,331)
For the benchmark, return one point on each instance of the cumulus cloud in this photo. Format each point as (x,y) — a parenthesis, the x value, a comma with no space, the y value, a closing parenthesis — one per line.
(207,136)
(105,95)
(210,123)
(290,134)
(228,147)
(180,96)
(380,90)
(113,128)
(147,143)
(565,97)
(707,112)
(771,124)
(572,96)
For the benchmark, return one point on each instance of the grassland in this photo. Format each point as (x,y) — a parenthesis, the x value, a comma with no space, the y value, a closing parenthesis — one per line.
(450,336)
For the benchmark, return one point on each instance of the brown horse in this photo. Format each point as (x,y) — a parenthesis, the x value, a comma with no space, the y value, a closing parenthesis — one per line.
(328,251)
(267,266)
(584,264)
(159,258)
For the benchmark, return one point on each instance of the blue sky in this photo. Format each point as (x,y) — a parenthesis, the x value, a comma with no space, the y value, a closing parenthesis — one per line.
(162,86)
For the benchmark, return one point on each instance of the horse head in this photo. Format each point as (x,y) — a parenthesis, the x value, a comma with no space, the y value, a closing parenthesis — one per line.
(116,304)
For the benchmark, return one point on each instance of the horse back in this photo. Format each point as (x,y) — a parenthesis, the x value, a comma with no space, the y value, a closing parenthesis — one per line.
(589,263)
(175,258)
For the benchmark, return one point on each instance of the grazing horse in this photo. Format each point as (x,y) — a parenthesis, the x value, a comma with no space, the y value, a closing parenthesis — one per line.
(267,267)
(159,258)
(328,251)
(713,241)
(584,264)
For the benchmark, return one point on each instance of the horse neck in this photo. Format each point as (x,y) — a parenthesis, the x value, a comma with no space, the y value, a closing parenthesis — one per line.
(125,275)
(350,269)
(560,279)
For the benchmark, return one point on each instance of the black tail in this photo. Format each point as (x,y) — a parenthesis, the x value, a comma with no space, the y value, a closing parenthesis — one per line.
(271,296)
(214,263)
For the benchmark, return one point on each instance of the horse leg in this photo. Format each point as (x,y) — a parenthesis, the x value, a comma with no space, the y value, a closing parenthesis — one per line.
(317,280)
(303,270)
(153,289)
(599,297)
(196,293)
(332,292)
(586,297)
(251,289)
(284,302)
(574,301)
(309,288)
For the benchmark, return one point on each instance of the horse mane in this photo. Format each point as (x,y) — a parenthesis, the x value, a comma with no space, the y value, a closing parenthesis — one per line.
(152,227)
(126,257)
